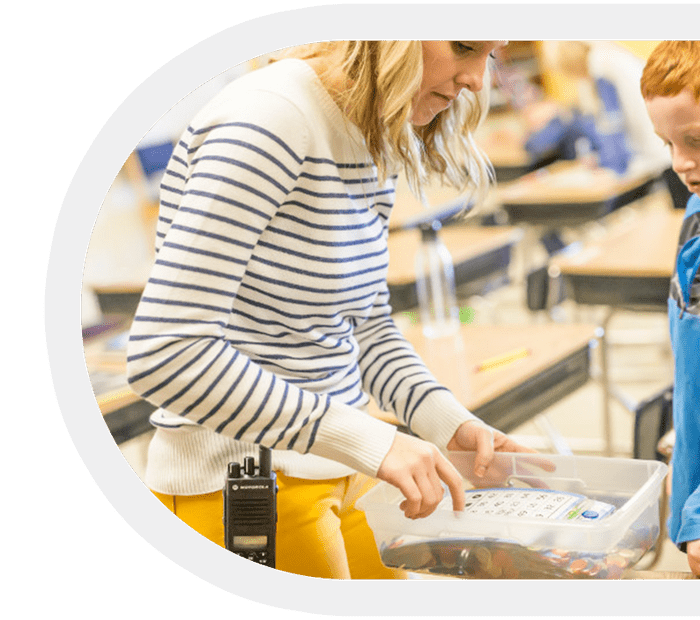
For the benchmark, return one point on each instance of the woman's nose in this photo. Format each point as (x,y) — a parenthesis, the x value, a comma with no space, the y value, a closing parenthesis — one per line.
(472,77)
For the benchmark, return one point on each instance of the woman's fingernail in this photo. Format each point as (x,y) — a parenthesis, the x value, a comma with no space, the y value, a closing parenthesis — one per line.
(480,471)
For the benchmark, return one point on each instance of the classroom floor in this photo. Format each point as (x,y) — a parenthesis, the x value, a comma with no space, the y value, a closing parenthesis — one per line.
(640,365)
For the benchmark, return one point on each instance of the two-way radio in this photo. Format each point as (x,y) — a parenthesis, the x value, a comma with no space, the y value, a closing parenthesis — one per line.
(250,509)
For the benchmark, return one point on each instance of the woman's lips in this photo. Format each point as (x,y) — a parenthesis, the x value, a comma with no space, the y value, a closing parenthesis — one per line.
(443,100)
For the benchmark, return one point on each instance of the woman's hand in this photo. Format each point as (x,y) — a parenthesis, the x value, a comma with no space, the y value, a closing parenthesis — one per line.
(478,437)
(418,469)
(692,548)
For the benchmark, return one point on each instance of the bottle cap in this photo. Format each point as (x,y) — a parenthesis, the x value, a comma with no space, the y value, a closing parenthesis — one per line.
(428,230)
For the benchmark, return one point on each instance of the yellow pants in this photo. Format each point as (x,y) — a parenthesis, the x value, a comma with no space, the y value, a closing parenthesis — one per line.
(320,533)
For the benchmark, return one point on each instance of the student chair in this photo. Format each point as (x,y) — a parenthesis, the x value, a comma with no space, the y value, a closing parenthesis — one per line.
(653,418)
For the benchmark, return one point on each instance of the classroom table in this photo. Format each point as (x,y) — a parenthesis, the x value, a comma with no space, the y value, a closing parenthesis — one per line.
(502,137)
(480,254)
(557,363)
(442,202)
(629,268)
(567,193)
(527,368)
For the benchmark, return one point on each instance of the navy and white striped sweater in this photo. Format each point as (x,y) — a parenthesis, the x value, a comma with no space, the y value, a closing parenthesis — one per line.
(266,316)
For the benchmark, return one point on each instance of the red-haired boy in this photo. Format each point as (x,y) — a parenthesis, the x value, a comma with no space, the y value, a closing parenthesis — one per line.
(671,89)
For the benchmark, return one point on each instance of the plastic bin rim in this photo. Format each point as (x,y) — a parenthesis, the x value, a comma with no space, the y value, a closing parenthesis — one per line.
(656,478)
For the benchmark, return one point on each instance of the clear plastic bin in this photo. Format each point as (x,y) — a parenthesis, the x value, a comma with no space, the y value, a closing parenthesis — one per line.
(476,546)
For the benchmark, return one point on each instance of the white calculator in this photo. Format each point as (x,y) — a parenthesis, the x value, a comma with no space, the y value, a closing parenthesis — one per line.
(534,504)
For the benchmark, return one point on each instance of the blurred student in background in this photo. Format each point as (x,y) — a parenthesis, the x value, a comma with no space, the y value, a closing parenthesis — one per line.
(605,118)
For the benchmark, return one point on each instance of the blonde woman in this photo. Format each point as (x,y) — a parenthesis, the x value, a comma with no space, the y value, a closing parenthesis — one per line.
(266,318)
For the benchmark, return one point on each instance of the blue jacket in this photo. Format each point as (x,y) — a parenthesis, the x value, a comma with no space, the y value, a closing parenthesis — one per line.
(684,317)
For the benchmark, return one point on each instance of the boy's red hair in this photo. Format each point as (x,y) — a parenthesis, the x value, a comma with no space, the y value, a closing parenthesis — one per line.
(672,67)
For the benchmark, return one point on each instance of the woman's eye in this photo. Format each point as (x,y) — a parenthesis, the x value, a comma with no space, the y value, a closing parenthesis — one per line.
(462,47)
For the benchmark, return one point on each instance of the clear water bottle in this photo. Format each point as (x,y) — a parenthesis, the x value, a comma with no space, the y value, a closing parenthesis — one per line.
(435,285)
(439,314)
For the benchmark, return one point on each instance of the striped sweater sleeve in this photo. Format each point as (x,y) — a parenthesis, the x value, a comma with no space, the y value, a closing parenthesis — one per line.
(223,186)
(399,381)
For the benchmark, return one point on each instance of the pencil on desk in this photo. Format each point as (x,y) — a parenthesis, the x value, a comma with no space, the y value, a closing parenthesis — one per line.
(501,360)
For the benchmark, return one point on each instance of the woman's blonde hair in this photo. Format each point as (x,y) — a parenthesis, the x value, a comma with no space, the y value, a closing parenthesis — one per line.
(672,67)
(382,79)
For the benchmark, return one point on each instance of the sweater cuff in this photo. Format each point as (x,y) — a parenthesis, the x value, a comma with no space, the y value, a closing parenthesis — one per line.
(439,416)
(354,438)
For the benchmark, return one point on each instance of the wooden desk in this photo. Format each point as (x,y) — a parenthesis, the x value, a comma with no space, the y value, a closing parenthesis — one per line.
(631,266)
(567,193)
(443,203)
(504,397)
(503,136)
(481,256)
(509,395)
